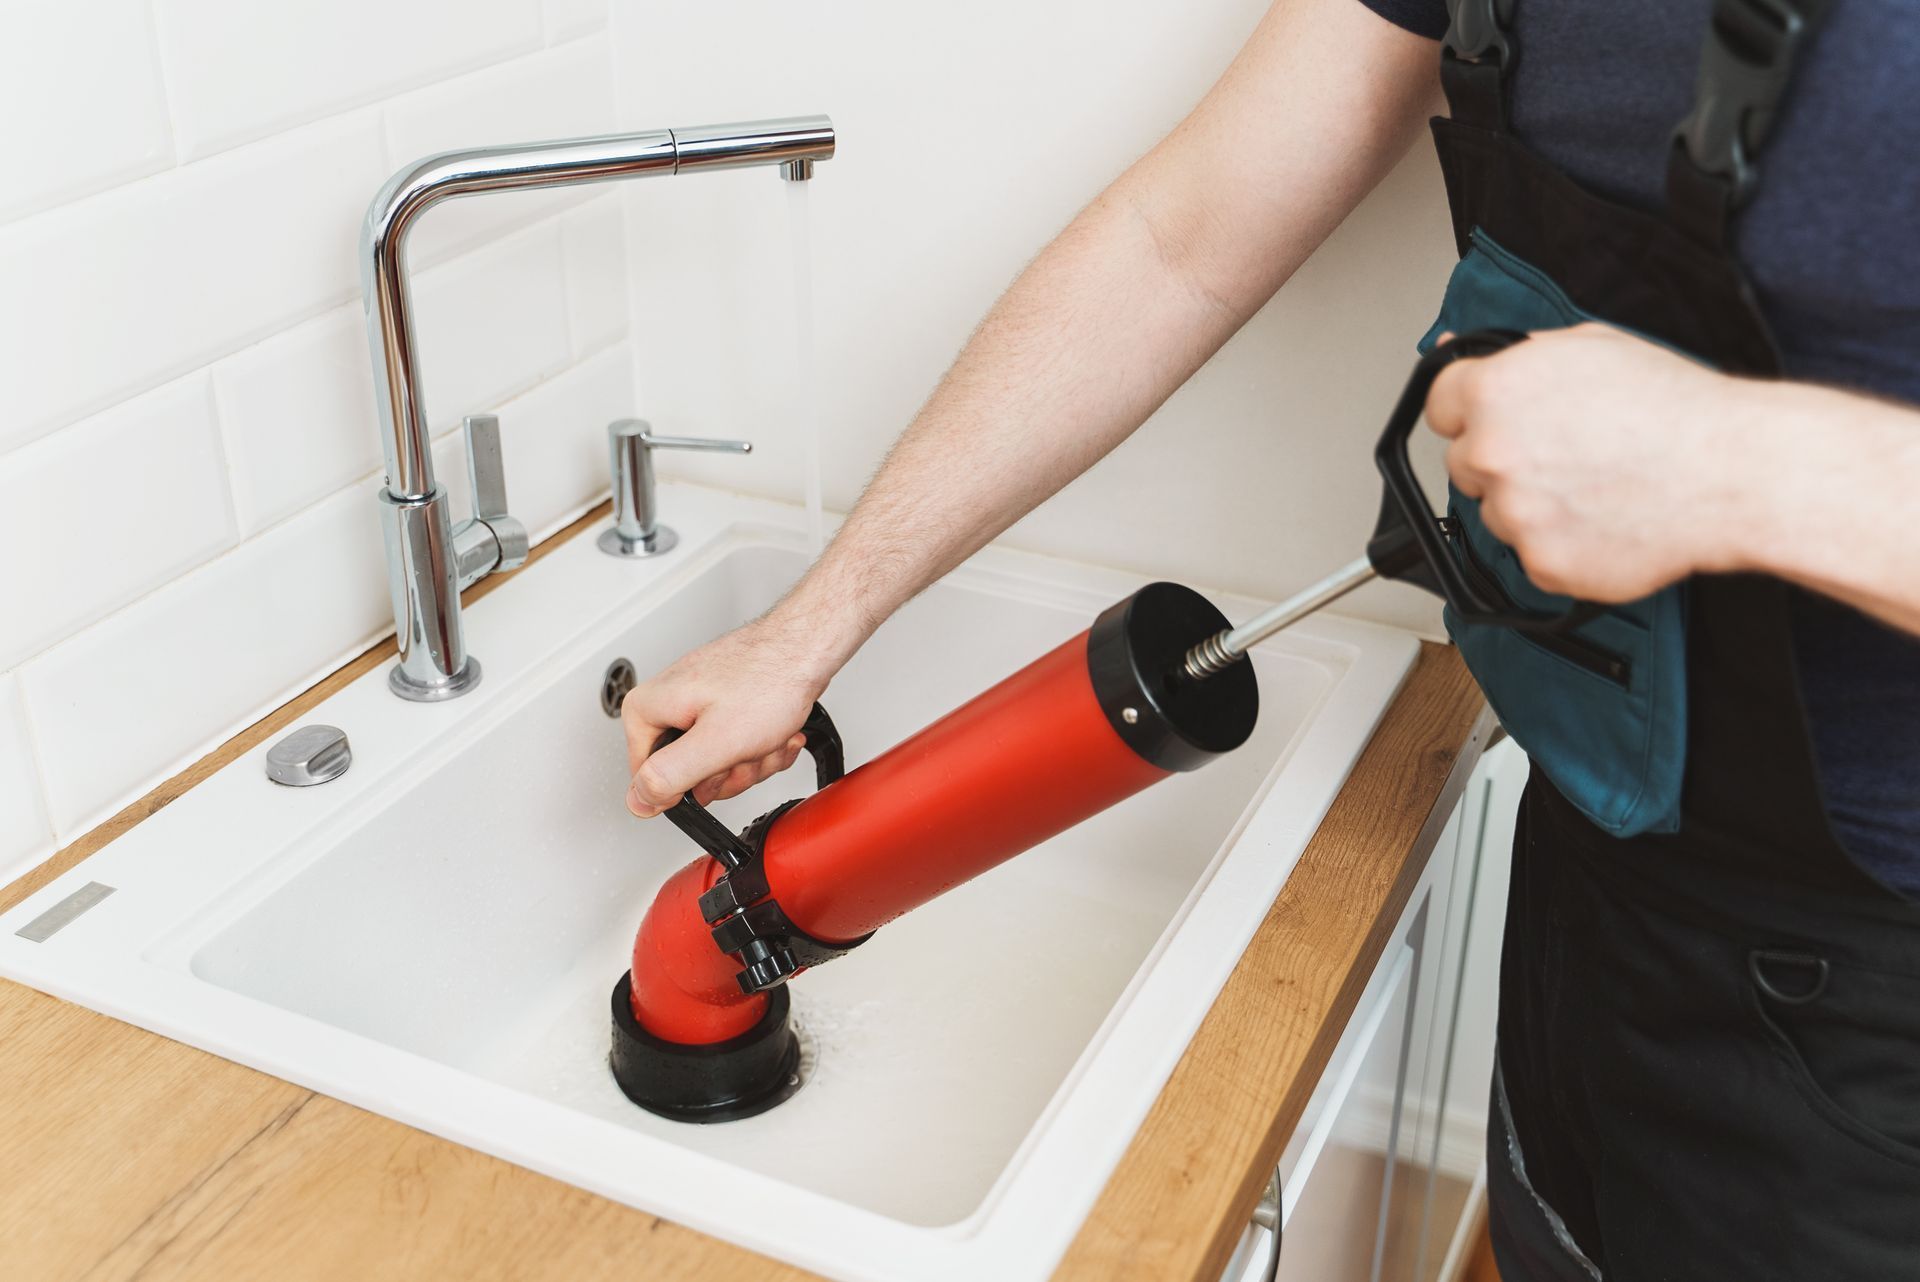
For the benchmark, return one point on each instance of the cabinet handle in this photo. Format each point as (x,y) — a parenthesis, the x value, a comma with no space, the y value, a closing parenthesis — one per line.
(1267,1216)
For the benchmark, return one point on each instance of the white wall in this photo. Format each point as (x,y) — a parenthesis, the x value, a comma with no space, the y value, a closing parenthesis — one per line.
(969,134)
(187,447)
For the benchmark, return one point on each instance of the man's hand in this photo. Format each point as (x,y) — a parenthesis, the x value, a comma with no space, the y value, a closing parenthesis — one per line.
(1615,467)
(744,696)
(1610,464)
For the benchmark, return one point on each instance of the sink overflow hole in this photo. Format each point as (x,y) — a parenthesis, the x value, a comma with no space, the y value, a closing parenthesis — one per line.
(620,678)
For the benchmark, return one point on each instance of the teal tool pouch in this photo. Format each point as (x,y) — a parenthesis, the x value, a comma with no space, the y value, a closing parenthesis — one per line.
(1600,707)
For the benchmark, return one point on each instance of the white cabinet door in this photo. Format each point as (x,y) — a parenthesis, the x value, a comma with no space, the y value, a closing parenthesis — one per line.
(1383,1171)
(1329,1191)
(1336,1214)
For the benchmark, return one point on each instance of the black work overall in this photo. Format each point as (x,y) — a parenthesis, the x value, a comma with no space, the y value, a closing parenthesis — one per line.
(1709,1058)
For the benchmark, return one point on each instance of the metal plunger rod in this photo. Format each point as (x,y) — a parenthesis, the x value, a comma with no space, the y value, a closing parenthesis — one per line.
(1224,649)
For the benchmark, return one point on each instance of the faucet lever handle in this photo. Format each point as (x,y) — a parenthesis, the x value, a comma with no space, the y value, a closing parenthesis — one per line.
(487,473)
(485,468)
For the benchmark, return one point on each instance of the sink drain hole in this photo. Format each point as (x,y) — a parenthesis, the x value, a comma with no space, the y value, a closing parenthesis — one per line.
(614,686)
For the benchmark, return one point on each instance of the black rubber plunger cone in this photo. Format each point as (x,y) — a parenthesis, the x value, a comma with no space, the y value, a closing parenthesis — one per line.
(740,1077)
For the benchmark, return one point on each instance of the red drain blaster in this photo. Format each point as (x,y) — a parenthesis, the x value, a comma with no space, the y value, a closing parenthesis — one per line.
(701,1028)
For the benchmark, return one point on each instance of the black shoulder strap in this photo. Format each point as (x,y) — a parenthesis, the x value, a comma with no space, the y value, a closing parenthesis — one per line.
(1476,61)
(1746,63)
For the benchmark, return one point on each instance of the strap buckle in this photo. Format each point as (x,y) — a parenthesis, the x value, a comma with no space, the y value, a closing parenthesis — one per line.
(1477,31)
(1745,64)
(1475,60)
(739,908)
(747,921)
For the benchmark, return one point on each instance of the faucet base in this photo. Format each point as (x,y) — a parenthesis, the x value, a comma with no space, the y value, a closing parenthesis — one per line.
(419,692)
(614,543)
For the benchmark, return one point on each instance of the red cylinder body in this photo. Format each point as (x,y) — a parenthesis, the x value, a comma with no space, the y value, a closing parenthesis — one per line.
(1027,759)
(683,985)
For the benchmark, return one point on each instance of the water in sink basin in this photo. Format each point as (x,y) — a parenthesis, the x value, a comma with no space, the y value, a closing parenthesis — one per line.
(481,919)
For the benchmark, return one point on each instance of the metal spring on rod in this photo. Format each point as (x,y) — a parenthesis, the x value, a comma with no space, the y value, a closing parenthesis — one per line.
(1209,657)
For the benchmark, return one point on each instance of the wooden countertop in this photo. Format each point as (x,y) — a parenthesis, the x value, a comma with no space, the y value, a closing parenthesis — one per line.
(124,1154)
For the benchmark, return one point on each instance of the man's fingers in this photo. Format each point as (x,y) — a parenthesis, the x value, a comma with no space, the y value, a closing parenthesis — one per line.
(663,777)
(1449,396)
(777,760)
(1467,478)
(733,782)
(644,718)
(701,762)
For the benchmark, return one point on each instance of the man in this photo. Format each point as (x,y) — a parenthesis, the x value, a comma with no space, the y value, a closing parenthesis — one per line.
(1710,1026)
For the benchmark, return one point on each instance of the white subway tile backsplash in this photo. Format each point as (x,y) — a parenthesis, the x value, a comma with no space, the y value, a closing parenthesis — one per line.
(142,692)
(25,835)
(555,440)
(567,19)
(563,93)
(74,124)
(115,293)
(596,248)
(189,459)
(104,511)
(491,324)
(240,69)
(297,411)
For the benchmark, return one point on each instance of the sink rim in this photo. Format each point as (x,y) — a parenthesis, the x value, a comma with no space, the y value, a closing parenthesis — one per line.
(1011,1237)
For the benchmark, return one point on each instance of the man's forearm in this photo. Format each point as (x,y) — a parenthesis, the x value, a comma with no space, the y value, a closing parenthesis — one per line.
(1127,303)
(1091,338)
(1833,486)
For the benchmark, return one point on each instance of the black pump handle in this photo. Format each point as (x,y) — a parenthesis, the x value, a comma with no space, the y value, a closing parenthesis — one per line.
(1410,542)
(697,822)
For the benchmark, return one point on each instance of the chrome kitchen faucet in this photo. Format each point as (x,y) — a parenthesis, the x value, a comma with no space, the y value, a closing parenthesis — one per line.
(429,558)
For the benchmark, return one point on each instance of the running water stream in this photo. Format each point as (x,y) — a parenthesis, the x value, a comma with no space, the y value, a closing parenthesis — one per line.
(805,384)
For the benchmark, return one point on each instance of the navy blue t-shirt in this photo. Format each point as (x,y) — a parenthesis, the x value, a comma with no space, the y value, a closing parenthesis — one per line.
(1832,242)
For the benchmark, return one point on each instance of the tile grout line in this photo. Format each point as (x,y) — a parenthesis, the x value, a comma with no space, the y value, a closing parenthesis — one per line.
(375,105)
(156,49)
(378,98)
(180,373)
(71,195)
(223,444)
(628,199)
(567,299)
(38,760)
(10,461)
(378,114)
(381,100)
(378,110)
(175,373)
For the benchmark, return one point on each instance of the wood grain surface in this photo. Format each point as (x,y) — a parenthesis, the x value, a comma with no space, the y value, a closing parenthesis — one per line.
(125,1155)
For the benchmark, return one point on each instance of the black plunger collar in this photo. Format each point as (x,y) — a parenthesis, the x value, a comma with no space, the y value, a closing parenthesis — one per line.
(1135,652)
(720,1082)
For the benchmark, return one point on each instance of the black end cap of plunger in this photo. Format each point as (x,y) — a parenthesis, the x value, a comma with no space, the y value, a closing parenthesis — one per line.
(1134,655)
(740,1077)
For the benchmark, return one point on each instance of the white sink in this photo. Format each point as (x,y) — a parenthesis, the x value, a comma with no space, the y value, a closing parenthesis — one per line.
(434,936)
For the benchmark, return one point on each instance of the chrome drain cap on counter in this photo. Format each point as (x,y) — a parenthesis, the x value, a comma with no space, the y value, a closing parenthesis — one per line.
(310,755)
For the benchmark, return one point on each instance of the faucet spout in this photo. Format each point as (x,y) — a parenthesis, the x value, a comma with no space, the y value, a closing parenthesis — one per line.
(426,568)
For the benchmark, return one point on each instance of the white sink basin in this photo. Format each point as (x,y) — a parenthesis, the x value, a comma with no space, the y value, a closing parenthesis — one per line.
(434,935)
